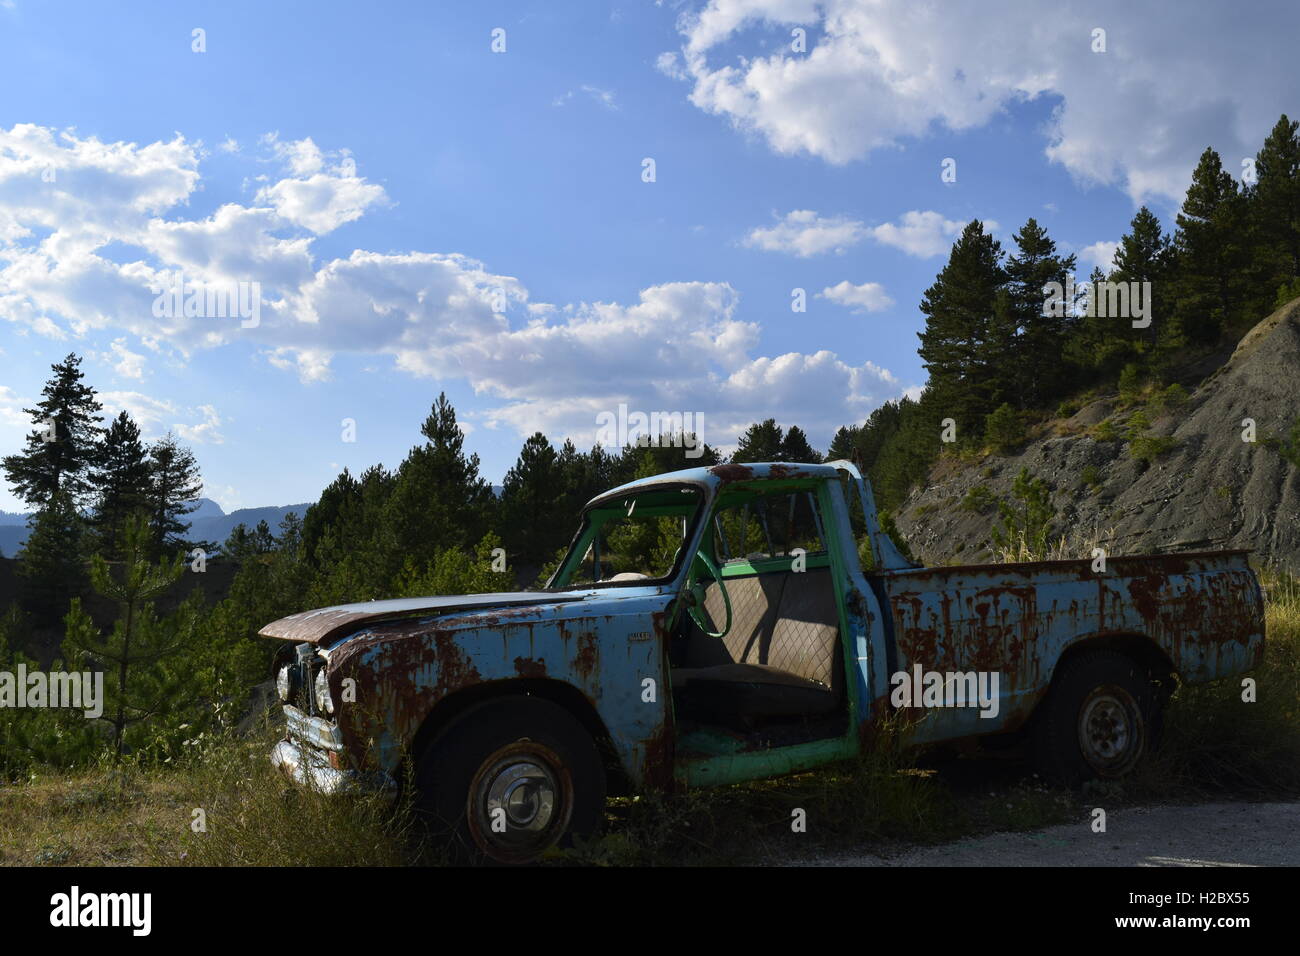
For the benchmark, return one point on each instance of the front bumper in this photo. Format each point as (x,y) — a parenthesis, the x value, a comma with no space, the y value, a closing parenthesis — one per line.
(303,756)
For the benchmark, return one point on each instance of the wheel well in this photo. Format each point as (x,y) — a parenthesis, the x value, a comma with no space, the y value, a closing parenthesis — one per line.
(557,692)
(1139,648)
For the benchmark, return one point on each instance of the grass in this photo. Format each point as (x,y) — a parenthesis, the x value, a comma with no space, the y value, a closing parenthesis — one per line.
(1215,746)
(229,808)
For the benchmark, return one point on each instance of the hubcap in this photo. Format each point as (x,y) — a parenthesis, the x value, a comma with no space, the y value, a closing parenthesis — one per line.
(1109,730)
(523,794)
(519,801)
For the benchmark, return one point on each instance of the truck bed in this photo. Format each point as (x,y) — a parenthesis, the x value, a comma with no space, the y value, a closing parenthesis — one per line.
(1203,612)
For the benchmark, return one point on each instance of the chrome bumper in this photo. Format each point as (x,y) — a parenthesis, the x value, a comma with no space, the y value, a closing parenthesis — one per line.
(302,757)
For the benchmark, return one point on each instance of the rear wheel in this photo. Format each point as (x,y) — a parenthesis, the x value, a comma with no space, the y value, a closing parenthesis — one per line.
(1099,720)
(510,778)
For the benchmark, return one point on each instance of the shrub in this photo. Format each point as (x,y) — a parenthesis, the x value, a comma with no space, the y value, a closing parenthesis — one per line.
(978,500)
(1148,448)
(1105,431)
(1024,523)
(1004,429)
(1130,382)
(1171,397)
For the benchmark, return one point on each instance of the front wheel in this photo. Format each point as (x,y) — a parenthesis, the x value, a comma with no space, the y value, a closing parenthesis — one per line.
(510,778)
(1099,719)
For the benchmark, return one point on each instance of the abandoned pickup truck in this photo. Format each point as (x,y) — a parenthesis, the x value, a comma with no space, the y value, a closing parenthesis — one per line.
(736,622)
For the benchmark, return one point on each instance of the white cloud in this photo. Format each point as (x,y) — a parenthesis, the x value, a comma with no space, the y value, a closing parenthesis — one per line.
(676,346)
(879,72)
(804,233)
(303,157)
(128,364)
(322,202)
(598,96)
(204,433)
(11,410)
(1099,254)
(922,234)
(148,412)
(867,297)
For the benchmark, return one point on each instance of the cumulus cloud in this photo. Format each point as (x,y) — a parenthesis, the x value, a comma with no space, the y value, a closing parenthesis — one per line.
(804,233)
(11,409)
(867,297)
(126,363)
(922,234)
(147,411)
(321,202)
(205,432)
(1100,255)
(442,315)
(880,72)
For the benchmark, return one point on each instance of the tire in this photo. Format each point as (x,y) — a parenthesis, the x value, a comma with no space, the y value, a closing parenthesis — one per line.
(1100,719)
(509,779)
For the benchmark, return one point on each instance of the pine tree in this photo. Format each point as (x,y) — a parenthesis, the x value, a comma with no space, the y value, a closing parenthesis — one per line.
(51,559)
(957,347)
(1210,256)
(439,499)
(1035,361)
(1275,207)
(1143,255)
(139,686)
(795,447)
(761,441)
(174,486)
(63,449)
(121,482)
(534,520)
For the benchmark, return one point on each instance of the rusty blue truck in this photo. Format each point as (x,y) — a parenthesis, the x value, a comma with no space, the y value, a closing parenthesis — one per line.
(735,622)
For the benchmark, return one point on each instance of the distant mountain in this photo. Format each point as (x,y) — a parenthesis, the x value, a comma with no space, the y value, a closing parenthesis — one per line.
(208,522)
(207,508)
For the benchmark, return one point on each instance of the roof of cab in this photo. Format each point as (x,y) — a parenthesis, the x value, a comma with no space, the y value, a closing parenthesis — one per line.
(714,475)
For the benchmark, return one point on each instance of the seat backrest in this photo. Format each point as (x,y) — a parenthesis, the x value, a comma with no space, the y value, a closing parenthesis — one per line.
(806,635)
(787,620)
(754,603)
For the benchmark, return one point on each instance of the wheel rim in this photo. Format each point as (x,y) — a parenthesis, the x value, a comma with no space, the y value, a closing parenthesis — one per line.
(520,802)
(1110,730)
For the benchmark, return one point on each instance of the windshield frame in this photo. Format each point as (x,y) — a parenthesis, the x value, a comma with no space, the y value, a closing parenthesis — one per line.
(581,539)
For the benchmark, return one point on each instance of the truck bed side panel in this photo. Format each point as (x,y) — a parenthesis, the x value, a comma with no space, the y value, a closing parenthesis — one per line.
(1203,611)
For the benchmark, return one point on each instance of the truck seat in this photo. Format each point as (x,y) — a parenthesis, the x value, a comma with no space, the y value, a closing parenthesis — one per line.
(781,657)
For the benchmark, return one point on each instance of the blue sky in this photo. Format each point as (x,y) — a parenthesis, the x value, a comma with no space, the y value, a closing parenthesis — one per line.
(381,173)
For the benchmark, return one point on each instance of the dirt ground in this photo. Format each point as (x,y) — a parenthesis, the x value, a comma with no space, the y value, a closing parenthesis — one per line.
(1214,834)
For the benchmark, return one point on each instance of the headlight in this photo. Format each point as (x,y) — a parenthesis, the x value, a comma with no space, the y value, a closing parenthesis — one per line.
(323,692)
(283,682)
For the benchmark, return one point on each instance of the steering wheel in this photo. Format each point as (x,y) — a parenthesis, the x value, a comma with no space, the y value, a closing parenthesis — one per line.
(695,606)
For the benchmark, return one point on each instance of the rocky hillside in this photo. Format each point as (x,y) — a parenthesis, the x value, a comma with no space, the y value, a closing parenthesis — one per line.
(1207,488)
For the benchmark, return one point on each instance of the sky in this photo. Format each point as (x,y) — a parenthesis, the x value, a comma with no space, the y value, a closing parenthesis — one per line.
(550,209)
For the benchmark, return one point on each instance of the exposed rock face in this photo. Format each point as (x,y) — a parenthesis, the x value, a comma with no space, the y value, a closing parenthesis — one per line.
(1212,490)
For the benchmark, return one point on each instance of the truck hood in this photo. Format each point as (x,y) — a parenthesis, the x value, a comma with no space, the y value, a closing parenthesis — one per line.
(325,623)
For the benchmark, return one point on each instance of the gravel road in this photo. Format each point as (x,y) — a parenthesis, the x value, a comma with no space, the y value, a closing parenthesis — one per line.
(1214,834)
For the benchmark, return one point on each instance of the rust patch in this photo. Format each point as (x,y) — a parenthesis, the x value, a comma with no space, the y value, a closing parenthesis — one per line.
(587,658)
(526,667)
(732,472)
